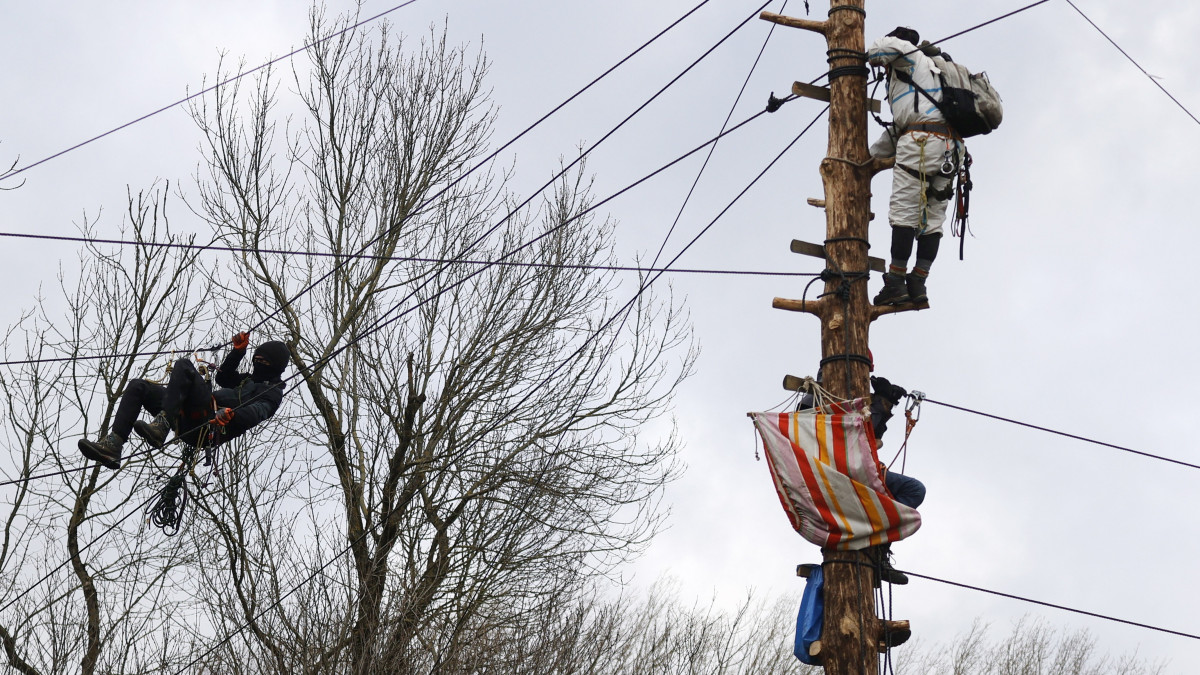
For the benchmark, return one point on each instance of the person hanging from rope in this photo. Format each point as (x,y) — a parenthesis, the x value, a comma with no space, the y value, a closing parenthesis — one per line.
(927,153)
(905,489)
(188,405)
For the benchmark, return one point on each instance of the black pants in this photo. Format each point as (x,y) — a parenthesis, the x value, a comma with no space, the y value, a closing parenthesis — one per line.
(186,400)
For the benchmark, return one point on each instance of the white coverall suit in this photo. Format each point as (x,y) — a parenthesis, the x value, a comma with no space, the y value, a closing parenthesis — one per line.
(918,201)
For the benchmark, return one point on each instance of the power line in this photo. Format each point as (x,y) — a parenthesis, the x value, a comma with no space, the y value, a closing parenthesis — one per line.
(394,258)
(10,174)
(1131,60)
(1050,604)
(990,21)
(1067,435)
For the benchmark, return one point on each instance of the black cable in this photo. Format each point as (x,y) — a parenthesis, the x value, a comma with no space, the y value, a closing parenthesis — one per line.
(1063,433)
(367,256)
(1131,60)
(1050,604)
(986,23)
(11,173)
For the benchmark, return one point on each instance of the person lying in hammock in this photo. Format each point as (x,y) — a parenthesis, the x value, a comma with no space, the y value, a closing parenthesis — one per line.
(189,406)
(904,489)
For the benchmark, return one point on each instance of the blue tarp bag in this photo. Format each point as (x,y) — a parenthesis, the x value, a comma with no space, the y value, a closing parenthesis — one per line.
(811,617)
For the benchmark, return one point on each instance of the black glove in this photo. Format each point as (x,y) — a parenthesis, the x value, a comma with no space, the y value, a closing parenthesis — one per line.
(891,392)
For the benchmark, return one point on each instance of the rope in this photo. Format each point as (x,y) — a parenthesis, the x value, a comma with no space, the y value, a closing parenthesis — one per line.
(381,324)
(169,504)
(861,240)
(860,358)
(981,25)
(848,71)
(847,8)
(841,53)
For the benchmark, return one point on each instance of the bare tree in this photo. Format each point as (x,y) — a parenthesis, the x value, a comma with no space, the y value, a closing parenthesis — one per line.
(1033,646)
(475,433)
(84,589)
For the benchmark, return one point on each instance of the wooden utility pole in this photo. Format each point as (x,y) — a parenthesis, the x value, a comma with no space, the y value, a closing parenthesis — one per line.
(852,636)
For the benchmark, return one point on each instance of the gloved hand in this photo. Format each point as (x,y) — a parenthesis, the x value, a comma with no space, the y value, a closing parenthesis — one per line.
(892,392)
(241,340)
(929,49)
(222,417)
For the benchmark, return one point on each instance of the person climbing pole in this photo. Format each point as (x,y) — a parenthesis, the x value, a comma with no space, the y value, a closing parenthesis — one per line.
(927,153)
(189,406)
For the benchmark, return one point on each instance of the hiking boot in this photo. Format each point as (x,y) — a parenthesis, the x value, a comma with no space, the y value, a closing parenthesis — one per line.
(883,564)
(916,287)
(155,431)
(107,450)
(894,290)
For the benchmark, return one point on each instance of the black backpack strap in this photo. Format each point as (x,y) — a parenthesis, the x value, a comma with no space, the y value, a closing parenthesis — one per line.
(907,79)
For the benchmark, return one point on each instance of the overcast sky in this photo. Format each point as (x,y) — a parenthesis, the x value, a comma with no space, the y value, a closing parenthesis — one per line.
(1074,307)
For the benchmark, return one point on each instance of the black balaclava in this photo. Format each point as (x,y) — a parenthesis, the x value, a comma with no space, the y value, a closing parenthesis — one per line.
(276,355)
(906,34)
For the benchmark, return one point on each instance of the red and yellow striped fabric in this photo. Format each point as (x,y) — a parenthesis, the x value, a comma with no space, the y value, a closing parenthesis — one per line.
(826,473)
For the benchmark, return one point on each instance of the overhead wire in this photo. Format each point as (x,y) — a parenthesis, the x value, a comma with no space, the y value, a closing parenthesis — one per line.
(1065,434)
(989,22)
(1053,605)
(14,172)
(394,258)
(1134,62)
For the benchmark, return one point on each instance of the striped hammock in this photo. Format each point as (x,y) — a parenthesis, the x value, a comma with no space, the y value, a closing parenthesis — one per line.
(826,472)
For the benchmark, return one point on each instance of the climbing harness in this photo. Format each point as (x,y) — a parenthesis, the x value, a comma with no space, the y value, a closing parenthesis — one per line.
(167,508)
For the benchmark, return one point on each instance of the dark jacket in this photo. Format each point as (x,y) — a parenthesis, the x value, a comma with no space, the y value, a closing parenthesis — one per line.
(252,401)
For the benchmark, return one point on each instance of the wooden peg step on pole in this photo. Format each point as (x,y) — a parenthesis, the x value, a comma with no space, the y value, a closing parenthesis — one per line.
(818,251)
(820,204)
(822,94)
(790,22)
